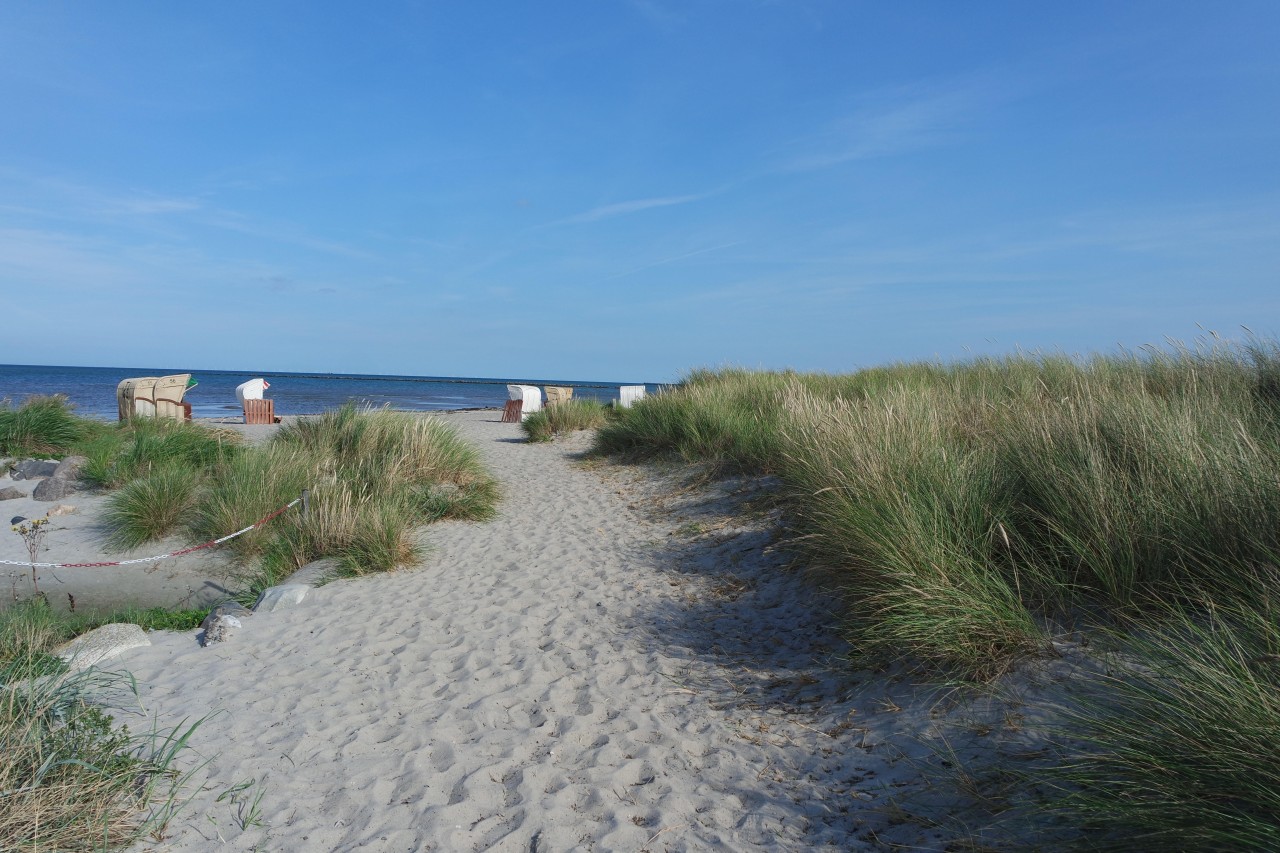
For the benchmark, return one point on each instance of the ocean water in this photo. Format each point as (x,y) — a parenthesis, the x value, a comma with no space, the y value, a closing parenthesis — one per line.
(92,390)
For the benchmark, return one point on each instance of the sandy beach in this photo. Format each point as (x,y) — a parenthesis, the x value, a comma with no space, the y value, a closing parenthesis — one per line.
(607,665)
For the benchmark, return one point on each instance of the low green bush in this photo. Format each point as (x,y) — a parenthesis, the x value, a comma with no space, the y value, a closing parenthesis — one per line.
(568,416)
(151,506)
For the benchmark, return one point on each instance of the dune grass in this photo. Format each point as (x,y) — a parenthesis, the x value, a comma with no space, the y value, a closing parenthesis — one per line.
(150,507)
(379,474)
(71,778)
(568,416)
(246,487)
(373,476)
(42,426)
(964,513)
(121,453)
(1009,492)
(1174,743)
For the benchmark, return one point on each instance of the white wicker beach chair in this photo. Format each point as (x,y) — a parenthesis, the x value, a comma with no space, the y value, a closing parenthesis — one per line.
(251,390)
(532,400)
(628,394)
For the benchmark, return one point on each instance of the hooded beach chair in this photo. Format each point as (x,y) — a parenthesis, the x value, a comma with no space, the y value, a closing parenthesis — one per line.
(532,400)
(124,398)
(529,398)
(558,394)
(143,397)
(168,396)
(628,394)
(251,390)
(256,409)
(515,403)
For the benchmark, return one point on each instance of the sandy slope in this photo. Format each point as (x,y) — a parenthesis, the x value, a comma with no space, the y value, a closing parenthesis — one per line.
(600,668)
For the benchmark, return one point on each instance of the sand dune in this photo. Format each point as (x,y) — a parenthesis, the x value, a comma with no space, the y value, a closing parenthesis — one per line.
(605,666)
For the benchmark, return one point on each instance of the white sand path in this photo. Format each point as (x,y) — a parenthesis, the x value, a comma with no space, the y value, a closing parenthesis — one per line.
(569,676)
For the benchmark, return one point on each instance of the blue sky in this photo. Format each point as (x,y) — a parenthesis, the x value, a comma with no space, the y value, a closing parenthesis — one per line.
(628,189)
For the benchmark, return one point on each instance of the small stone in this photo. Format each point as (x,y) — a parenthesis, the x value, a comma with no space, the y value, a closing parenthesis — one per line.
(8,493)
(60,509)
(218,629)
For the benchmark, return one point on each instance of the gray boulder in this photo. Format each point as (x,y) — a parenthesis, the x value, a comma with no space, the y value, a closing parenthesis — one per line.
(32,469)
(282,597)
(64,481)
(69,468)
(8,493)
(54,489)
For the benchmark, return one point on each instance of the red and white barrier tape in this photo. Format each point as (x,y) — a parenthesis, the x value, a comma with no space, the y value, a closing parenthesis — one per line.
(211,544)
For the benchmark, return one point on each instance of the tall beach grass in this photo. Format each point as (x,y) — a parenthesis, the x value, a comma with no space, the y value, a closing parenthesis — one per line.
(373,475)
(966,513)
(71,777)
(42,426)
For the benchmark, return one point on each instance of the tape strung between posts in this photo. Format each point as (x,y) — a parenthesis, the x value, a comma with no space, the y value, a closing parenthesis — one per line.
(211,544)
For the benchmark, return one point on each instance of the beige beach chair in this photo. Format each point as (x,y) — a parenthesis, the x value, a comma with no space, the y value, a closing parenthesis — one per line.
(144,397)
(124,398)
(629,394)
(558,394)
(137,397)
(168,396)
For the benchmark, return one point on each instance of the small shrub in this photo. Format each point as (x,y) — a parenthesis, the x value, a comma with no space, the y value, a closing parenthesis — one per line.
(248,487)
(568,416)
(150,507)
(475,501)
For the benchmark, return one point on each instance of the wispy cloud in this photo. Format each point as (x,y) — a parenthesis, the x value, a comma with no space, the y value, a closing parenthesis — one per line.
(59,198)
(90,209)
(900,119)
(656,13)
(623,208)
(669,260)
(147,205)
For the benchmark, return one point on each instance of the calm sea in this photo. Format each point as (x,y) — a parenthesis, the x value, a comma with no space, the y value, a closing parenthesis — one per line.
(93,389)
